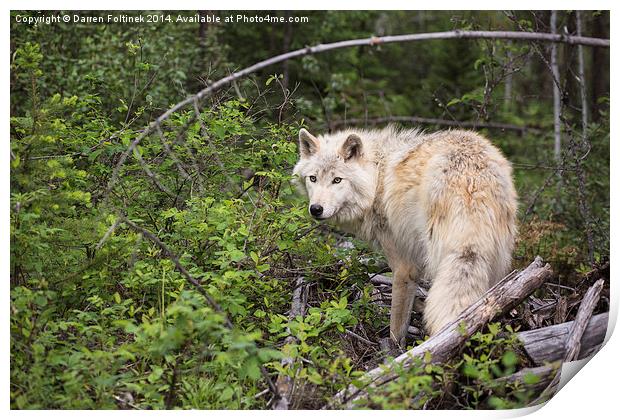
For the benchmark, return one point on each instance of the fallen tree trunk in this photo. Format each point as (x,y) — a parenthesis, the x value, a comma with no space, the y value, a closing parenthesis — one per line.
(584,315)
(548,344)
(447,343)
(544,376)
(380,279)
(285,383)
(573,341)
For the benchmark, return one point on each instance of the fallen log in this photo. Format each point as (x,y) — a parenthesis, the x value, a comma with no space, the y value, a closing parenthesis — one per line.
(382,293)
(448,342)
(548,344)
(573,341)
(380,279)
(286,384)
(534,379)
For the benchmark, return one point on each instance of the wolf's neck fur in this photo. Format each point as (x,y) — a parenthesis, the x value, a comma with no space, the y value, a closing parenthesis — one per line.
(382,149)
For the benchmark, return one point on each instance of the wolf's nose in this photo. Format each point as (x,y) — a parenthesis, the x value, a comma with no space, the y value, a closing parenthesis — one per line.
(316,210)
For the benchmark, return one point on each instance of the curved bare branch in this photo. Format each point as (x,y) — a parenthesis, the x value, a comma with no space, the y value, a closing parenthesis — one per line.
(457,34)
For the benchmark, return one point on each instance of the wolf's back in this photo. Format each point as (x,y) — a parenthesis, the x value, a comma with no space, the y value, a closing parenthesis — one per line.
(456,191)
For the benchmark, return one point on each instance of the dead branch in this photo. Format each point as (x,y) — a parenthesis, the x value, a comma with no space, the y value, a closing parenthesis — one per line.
(436,121)
(153,238)
(446,344)
(548,344)
(573,343)
(360,338)
(380,279)
(457,34)
(545,375)
(286,384)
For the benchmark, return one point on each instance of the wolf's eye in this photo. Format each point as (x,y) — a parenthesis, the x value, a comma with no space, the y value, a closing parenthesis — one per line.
(337,180)
(312,178)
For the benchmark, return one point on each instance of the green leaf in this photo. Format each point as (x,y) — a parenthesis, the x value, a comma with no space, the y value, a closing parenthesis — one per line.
(254,257)
(236,255)
(530,378)
(251,369)
(227,394)
(156,373)
(510,359)
(471,370)
(40,300)
(263,267)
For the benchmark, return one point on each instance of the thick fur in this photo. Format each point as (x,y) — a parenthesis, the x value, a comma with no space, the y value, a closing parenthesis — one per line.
(441,206)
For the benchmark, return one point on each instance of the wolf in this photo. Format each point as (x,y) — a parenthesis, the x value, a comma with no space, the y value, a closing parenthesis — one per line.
(441,206)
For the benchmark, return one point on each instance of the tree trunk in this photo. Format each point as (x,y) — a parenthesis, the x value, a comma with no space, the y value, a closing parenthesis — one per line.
(286,46)
(545,375)
(557,130)
(548,344)
(582,320)
(573,340)
(508,81)
(582,80)
(448,342)
(598,61)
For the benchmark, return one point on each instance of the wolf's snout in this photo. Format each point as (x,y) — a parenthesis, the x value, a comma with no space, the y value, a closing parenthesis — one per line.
(316,210)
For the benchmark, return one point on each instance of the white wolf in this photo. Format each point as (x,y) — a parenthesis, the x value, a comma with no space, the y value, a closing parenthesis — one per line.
(439,205)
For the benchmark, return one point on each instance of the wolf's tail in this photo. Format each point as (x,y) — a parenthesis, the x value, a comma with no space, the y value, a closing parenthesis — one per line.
(464,272)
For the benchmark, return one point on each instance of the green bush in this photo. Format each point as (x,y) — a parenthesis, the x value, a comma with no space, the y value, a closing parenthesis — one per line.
(101,315)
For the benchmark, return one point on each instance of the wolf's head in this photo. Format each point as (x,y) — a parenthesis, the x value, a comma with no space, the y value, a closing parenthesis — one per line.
(335,173)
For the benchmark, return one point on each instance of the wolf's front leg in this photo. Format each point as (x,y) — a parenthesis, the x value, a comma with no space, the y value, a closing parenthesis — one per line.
(403,293)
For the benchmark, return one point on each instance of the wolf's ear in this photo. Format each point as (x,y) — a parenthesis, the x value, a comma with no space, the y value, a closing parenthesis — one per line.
(308,144)
(352,147)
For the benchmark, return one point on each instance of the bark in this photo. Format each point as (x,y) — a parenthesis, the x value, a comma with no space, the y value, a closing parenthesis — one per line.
(573,343)
(448,342)
(548,344)
(545,375)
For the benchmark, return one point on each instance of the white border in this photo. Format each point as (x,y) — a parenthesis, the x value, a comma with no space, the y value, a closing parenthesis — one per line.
(591,394)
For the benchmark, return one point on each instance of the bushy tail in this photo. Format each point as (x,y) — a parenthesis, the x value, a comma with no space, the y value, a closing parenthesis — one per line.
(460,279)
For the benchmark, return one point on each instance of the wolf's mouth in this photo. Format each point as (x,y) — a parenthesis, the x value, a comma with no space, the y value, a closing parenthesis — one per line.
(331,216)
(322,217)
